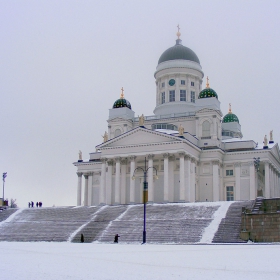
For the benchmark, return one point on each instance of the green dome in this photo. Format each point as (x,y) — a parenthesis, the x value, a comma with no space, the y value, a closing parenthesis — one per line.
(230,118)
(122,102)
(208,92)
(178,52)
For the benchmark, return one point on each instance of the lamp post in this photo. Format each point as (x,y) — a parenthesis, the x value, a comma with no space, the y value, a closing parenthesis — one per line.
(145,193)
(257,167)
(3,177)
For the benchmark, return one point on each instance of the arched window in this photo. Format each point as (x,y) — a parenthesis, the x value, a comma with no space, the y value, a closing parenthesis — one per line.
(206,129)
(117,132)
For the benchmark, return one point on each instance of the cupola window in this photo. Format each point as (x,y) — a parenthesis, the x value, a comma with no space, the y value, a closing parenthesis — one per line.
(162,85)
(162,97)
(192,84)
(183,95)
(183,82)
(192,96)
(171,95)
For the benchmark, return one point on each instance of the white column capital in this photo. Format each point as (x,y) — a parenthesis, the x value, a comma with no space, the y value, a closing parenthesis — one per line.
(110,162)
(237,164)
(118,159)
(215,162)
(187,157)
(151,156)
(181,154)
(165,155)
(103,160)
(79,174)
(132,158)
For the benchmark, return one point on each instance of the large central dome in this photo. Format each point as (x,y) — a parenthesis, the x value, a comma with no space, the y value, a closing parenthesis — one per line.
(178,52)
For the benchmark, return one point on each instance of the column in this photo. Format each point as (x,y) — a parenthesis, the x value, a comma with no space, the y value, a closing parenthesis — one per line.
(188,177)
(252,181)
(102,182)
(182,176)
(266,180)
(132,182)
(123,180)
(171,178)
(79,189)
(177,88)
(150,178)
(222,189)
(109,182)
(109,132)
(192,180)
(216,188)
(90,201)
(237,193)
(117,181)
(86,190)
(166,171)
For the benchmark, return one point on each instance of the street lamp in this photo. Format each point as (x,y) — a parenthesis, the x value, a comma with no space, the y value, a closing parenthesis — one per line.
(257,167)
(3,177)
(145,193)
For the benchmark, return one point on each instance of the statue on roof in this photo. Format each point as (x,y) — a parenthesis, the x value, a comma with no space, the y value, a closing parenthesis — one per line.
(80,155)
(141,120)
(271,136)
(181,130)
(265,141)
(105,137)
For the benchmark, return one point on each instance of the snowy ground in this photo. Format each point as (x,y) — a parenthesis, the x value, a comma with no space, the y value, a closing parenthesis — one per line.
(47,261)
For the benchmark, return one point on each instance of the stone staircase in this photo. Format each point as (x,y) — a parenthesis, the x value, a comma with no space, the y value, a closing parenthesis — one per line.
(257,205)
(230,227)
(174,223)
(165,223)
(45,224)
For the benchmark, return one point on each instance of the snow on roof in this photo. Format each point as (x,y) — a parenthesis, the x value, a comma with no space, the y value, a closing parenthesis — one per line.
(167,131)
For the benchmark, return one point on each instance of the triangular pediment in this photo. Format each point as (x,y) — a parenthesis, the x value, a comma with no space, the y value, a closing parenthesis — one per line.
(139,136)
(275,151)
(208,111)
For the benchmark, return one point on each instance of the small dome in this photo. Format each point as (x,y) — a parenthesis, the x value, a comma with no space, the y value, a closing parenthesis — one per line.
(230,117)
(122,102)
(178,52)
(208,92)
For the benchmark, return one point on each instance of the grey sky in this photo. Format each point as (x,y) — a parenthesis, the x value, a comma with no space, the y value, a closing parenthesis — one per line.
(63,64)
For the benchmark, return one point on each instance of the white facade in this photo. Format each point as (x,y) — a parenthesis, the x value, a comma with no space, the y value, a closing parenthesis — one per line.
(208,162)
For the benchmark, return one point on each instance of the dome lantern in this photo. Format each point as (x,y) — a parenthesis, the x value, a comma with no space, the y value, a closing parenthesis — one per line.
(207,92)
(122,102)
(230,117)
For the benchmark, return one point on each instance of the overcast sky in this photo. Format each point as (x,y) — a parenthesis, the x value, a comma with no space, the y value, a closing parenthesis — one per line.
(63,64)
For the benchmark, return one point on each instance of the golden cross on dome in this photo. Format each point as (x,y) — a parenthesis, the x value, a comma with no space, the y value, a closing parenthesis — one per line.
(178,33)
(122,95)
(229,109)
(207,83)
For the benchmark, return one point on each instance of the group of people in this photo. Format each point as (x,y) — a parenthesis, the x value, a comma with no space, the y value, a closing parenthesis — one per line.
(31,204)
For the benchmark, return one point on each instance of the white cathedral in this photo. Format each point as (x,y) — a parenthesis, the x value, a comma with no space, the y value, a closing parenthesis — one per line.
(186,152)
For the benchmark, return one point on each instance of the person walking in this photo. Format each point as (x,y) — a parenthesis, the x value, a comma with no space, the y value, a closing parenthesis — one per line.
(116,239)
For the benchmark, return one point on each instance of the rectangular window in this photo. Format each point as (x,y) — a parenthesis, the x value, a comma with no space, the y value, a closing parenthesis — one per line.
(192,84)
(183,95)
(162,97)
(162,85)
(171,95)
(229,172)
(230,194)
(183,82)
(192,96)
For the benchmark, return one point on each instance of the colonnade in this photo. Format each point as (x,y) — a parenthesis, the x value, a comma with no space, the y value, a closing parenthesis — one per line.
(187,167)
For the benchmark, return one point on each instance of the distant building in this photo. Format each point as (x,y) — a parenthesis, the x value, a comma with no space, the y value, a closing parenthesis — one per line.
(198,154)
